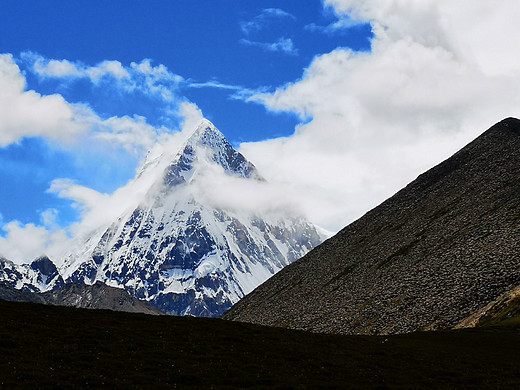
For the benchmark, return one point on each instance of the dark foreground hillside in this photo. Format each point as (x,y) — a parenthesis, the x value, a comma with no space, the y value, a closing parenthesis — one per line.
(58,347)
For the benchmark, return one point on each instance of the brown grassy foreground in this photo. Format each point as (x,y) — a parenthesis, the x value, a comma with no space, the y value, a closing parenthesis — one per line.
(52,347)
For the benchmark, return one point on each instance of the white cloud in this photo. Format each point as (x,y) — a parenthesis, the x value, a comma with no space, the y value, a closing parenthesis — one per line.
(55,68)
(215,84)
(29,114)
(156,80)
(440,72)
(240,92)
(341,25)
(277,12)
(49,217)
(112,68)
(24,243)
(192,116)
(283,45)
(132,133)
(51,68)
(263,20)
(143,76)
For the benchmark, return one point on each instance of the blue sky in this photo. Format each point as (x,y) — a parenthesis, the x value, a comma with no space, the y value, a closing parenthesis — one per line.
(236,45)
(339,103)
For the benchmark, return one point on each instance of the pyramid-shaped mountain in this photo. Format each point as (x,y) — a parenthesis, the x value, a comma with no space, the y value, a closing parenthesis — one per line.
(183,254)
(440,251)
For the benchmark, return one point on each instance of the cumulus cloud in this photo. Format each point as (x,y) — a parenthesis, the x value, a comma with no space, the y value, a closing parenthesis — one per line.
(439,73)
(156,80)
(29,114)
(24,243)
(139,76)
(50,68)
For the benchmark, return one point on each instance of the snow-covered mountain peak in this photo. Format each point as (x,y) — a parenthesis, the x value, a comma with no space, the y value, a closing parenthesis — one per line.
(197,239)
(207,134)
(208,144)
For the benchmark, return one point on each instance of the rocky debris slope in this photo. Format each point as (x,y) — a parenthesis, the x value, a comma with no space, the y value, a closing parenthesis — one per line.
(436,252)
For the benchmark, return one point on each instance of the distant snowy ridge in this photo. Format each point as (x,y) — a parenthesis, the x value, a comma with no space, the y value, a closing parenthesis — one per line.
(39,276)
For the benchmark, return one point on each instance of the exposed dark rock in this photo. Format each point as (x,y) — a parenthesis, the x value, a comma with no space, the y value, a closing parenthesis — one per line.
(437,251)
(46,271)
(8,293)
(96,296)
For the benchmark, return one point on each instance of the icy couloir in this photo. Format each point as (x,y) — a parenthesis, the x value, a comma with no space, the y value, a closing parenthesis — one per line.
(185,253)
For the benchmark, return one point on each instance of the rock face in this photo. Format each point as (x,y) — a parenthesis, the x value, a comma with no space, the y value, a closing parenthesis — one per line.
(96,296)
(183,254)
(438,251)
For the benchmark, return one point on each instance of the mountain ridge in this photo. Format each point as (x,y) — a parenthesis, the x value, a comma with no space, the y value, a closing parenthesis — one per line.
(437,251)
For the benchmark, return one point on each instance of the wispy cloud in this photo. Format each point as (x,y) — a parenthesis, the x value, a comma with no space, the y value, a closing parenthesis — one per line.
(240,92)
(215,84)
(340,26)
(282,45)
(277,12)
(264,20)
(29,114)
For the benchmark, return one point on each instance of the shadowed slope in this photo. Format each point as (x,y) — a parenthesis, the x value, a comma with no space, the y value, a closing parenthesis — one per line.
(433,254)
(49,347)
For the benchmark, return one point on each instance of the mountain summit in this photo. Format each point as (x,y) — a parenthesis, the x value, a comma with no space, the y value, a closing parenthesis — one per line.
(209,145)
(444,249)
(183,249)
